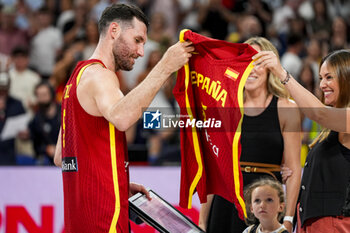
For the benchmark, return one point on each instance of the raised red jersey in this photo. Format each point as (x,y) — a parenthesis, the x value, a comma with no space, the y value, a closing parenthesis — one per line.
(210,89)
(94,166)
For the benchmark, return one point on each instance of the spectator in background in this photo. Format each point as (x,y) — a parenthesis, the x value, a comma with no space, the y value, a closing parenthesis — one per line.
(91,37)
(64,16)
(291,60)
(258,8)
(249,26)
(275,39)
(157,30)
(45,126)
(71,54)
(188,14)
(10,35)
(24,13)
(45,44)
(283,14)
(297,25)
(9,108)
(23,79)
(171,11)
(4,62)
(4,59)
(97,9)
(339,34)
(310,128)
(306,77)
(339,8)
(215,19)
(75,27)
(145,6)
(321,24)
(57,7)
(313,56)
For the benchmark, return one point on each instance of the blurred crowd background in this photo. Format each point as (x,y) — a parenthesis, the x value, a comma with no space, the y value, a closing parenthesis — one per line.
(42,40)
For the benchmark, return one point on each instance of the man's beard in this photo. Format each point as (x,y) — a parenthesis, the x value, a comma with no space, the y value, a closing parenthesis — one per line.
(122,55)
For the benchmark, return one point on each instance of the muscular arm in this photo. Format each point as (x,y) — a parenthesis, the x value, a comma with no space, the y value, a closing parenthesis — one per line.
(337,119)
(58,152)
(128,109)
(291,127)
(123,111)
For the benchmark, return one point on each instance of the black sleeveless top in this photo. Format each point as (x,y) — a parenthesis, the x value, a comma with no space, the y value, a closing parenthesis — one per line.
(262,140)
(325,185)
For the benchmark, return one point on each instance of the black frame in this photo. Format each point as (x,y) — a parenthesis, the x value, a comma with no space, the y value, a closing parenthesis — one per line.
(151,221)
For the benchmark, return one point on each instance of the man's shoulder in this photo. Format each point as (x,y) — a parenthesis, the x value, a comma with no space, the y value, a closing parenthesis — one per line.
(97,74)
(95,80)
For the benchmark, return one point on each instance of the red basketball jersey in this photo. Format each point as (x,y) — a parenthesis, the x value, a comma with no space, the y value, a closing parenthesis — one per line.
(210,89)
(94,166)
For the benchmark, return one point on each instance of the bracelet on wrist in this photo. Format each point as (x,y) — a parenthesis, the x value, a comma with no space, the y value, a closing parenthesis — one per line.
(288,218)
(285,81)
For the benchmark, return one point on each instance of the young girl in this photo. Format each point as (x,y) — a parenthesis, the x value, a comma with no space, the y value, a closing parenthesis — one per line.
(265,207)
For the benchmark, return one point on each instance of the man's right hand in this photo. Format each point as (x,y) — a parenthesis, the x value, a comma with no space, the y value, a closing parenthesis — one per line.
(176,56)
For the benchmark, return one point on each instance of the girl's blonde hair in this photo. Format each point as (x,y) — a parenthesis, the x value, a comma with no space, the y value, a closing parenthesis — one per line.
(338,62)
(274,85)
(251,219)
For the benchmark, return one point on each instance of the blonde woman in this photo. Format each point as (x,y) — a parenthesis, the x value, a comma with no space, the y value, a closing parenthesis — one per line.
(270,137)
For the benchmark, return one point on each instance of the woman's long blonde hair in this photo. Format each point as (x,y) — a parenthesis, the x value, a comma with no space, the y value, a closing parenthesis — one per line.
(339,62)
(274,86)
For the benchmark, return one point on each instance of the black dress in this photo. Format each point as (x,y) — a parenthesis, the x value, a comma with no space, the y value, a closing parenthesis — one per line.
(262,142)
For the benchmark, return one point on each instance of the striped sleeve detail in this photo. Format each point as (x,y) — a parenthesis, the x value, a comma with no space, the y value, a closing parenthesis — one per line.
(196,146)
(237,136)
(113,226)
(82,70)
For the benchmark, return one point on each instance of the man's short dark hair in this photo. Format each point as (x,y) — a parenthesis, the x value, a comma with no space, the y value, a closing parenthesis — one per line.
(121,12)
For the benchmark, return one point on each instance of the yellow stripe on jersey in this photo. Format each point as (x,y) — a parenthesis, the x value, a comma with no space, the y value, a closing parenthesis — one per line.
(235,155)
(64,129)
(231,73)
(197,150)
(82,70)
(113,227)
